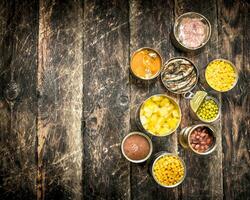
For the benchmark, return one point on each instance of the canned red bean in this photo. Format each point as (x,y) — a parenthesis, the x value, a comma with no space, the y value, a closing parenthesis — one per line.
(201,139)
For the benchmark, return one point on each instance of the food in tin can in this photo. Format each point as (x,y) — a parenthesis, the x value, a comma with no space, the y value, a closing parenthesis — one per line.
(179,75)
(192,31)
(208,110)
(201,139)
(136,147)
(221,75)
(146,63)
(159,115)
(168,170)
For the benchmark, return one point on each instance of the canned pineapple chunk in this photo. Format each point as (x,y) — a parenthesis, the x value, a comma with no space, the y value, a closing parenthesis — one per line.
(160,115)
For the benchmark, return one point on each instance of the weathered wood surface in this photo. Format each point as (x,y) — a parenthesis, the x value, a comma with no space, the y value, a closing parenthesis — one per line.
(234,45)
(106,175)
(60,138)
(18,65)
(60,89)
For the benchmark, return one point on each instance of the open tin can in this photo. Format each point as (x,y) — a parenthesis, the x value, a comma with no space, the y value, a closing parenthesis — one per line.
(139,120)
(137,147)
(235,74)
(197,100)
(149,63)
(191,32)
(185,139)
(179,75)
(163,154)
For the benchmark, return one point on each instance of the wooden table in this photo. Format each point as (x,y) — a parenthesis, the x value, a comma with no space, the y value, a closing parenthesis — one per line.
(67,99)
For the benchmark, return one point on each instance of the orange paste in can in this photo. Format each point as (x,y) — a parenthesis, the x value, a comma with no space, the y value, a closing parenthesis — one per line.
(146,63)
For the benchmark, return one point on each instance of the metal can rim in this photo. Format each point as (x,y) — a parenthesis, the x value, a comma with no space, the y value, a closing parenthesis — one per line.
(197,74)
(150,145)
(235,69)
(171,154)
(209,33)
(214,134)
(219,112)
(153,77)
(173,100)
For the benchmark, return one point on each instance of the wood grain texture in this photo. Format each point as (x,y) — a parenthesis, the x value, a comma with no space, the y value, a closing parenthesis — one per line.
(150,26)
(204,173)
(60,76)
(234,39)
(106,99)
(18,63)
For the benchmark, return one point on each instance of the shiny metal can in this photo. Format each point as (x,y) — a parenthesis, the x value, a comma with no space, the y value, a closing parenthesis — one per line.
(159,155)
(184,138)
(174,36)
(173,60)
(138,118)
(150,146)
(141,49)
(234,68)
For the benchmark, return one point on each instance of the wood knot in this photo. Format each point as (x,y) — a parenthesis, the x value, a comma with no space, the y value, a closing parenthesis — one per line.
(12,91)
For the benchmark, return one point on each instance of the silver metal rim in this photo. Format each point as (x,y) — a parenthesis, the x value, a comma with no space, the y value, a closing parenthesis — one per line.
(150,145)
(218,115)
(197,74)
(235,69)
(170,98)
(170,154)
(200,15)
(214,134)
(144,48)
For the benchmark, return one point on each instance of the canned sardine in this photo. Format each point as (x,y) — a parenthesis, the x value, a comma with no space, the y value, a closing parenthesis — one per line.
(179,75)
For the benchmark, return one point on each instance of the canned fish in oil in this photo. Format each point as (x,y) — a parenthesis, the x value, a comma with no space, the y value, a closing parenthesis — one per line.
(200,139)
(179,75)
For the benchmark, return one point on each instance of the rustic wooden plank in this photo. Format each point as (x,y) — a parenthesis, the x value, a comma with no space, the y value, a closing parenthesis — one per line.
(150,26)
(60,89)
(106,99)
(204,173)
(234,39)
(18,52)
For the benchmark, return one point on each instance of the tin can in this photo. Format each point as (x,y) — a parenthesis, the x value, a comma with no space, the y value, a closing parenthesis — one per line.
(151,49)
(195,102)
(235,70)
(196,71)
(150,145)
(138,119)
(184,138)
(156,157)
(174,36)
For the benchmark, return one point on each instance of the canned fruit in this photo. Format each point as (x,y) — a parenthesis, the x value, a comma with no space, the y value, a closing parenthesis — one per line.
(146,63)
(159,115)
(208,110)
(201,139)
(168,170)
(221,75)
(179,75)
